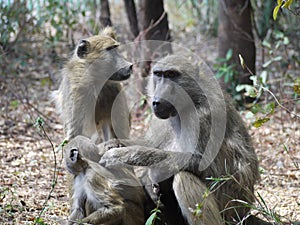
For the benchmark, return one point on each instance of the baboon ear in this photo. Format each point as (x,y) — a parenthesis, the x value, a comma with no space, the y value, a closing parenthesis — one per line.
(74,154)
(83,48)
(109,31)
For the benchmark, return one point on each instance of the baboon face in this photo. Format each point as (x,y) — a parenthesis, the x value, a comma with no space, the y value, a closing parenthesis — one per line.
(74,162)
(171,83)
(102,50)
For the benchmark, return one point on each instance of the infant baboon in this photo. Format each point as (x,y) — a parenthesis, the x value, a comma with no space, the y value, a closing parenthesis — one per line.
(101,196)
(189,143)
(89,87)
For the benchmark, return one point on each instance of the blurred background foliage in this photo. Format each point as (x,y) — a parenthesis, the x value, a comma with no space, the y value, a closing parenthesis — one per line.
(35,33)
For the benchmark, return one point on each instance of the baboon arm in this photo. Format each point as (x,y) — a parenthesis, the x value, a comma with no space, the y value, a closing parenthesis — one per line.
(105,215)
(117,143)
(151,157)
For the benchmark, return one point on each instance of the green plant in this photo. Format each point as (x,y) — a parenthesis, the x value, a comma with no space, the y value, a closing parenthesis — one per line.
(227,72)
(281,4)
(154,214)
(256,90)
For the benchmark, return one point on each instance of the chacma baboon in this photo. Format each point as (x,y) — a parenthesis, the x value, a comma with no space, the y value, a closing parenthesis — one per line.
(100,196)
(84,99)
(200,138)
(89,87)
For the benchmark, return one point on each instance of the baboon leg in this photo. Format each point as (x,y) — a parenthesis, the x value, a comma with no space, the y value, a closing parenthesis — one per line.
(132,210)
(111,215)
(77,214)
(183,183)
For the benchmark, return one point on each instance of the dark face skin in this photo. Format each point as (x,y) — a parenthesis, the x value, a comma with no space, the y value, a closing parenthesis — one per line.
(164,81)
(174,87)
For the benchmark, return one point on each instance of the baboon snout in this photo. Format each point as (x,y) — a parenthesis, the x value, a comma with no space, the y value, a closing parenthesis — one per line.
(74,154)
(122,74)
(162,108)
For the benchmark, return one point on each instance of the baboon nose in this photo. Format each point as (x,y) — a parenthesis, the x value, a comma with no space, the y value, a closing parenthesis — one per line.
(130,67)
(155,103)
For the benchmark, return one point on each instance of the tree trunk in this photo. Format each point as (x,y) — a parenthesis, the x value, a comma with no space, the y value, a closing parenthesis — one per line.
(132,18)
(235,32)
(105,13)
(149,12)
(153,23)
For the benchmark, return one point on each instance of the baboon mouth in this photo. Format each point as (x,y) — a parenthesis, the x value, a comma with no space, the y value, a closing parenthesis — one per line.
(122,74)
(165,114)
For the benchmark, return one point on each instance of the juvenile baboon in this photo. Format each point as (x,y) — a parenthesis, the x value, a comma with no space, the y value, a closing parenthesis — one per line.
(84,99)
(101,196)
(188,142)
(89,87)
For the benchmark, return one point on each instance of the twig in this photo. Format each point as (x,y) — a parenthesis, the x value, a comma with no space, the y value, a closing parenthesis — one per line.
(149,28)
(39,123)
(271,93)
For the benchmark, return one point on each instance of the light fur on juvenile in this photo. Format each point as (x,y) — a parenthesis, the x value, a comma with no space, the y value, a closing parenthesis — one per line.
(89,86)
(101,196)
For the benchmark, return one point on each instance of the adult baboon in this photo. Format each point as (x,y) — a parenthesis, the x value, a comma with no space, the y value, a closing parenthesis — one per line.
(189,143)
(100,196)
(89,87)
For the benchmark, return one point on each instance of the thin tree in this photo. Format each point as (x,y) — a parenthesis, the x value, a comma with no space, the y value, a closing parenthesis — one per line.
(132,17)
(105,13)
(235,32)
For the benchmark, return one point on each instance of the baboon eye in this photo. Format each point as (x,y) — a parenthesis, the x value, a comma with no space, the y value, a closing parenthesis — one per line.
(171,74)
(157,73)
(82,49)
(111,47)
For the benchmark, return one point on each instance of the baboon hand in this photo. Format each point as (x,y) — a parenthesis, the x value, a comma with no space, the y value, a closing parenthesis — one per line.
(116,157)
(113,143)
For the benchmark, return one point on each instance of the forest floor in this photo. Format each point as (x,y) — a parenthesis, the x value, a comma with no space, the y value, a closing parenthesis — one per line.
(27,162)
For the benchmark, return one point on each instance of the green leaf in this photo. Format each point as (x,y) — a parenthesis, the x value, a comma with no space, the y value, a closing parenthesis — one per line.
(263,77)
(64,142)
(297,86)
(151,219)
(276,11)
(259,122)
(266,64)
(269,108)
(256,108)
(228,54)
(266,44)
(242,62)
(39,122)
(220,60)
(278,58)
(14,103)
(287,4)
(253,92)
(286,41)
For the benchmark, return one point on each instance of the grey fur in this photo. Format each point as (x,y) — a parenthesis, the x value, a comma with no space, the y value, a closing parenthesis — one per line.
(169,147)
